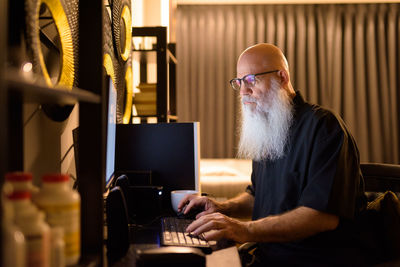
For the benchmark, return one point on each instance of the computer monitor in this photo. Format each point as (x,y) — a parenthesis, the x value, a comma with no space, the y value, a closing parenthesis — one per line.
(111,131)
(170,152)
(111,113)
(115,205)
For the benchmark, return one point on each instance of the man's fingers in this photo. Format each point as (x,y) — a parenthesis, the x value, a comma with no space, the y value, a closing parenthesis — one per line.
(205,223)
(216,226)
(195,201)
(195,224)
(188,207)
(184,201)
(213,235)
(201,214)
(208,226)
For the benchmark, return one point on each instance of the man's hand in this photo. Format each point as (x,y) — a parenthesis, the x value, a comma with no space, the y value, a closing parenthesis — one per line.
(240,206)
(196,202)
(216,226)
(293,225)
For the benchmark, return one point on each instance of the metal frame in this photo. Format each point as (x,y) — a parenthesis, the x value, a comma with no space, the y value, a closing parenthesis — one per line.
(165,104)
(92,129)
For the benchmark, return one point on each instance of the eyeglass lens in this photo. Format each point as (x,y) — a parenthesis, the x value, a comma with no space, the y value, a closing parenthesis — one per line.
(235,83)
(248,80)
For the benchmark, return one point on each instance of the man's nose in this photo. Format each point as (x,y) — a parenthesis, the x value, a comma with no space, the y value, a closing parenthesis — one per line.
(245,90)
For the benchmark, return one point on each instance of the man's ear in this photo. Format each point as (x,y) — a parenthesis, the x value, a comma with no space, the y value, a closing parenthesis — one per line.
(284,77)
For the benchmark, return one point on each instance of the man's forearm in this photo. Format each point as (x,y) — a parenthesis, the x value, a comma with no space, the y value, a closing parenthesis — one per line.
(294,225)
(239,206)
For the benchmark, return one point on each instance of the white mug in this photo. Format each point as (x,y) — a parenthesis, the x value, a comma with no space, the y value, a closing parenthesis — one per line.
(177,195)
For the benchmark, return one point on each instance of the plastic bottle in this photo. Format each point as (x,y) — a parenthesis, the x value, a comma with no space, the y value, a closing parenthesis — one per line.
(62,207)
(14,247)
(57,247)
(21,181)
(37,236)
(21,203)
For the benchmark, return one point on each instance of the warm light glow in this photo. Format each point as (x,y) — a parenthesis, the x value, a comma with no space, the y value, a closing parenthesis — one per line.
(137,13)
(152,120)
(136,120)
(134,111)
(165,13)
(27,67)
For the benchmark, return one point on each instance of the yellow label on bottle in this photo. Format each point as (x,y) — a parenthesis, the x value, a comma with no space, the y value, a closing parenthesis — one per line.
(68,217)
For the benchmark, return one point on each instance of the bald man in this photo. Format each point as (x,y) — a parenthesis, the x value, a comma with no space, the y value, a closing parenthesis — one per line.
(306,185)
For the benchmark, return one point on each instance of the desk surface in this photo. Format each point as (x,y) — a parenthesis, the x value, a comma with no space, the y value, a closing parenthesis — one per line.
(224,257)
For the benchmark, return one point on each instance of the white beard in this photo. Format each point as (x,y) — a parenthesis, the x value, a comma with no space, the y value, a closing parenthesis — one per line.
(265,129)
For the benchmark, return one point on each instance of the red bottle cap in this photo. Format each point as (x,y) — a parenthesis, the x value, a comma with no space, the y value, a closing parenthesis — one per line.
(55,178)
(18,176)
(17,195)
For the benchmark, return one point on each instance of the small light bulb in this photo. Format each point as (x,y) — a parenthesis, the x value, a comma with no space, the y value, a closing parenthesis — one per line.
(27,67)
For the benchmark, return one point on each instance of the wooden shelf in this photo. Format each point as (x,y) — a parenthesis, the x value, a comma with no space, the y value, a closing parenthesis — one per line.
(33,91)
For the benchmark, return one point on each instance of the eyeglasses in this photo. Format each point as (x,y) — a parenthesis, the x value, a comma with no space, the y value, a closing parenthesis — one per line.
(249,80)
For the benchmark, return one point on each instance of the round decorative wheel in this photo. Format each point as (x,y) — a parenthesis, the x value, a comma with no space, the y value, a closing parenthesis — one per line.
(50,41)
(128,94)
(122,28)
(122,70)
(52,45)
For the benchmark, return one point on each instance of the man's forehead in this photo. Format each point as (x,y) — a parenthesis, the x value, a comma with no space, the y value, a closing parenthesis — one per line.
(251,65)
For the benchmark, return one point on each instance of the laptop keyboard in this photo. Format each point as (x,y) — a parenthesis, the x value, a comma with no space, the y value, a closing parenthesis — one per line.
(173,234)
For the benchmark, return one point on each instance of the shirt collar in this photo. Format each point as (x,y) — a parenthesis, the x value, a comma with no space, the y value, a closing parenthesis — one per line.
(299,105)
(298,100)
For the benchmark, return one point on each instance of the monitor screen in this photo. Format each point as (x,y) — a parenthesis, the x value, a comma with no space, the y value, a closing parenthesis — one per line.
(111,130)
(169,152)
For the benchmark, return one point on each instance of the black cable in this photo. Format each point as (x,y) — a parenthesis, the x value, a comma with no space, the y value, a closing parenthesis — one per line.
(39,107)
(66,153)
(72,176)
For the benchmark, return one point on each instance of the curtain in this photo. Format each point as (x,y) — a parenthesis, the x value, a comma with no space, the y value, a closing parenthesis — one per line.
(344,57)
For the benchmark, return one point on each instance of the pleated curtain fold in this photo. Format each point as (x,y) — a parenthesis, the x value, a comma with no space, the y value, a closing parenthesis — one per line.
(345,57)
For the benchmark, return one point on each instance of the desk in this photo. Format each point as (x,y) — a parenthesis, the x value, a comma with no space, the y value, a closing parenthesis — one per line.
(224,257)
(147,238)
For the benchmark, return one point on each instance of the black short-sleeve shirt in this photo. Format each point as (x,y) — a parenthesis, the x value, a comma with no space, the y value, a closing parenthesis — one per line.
(320,170)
